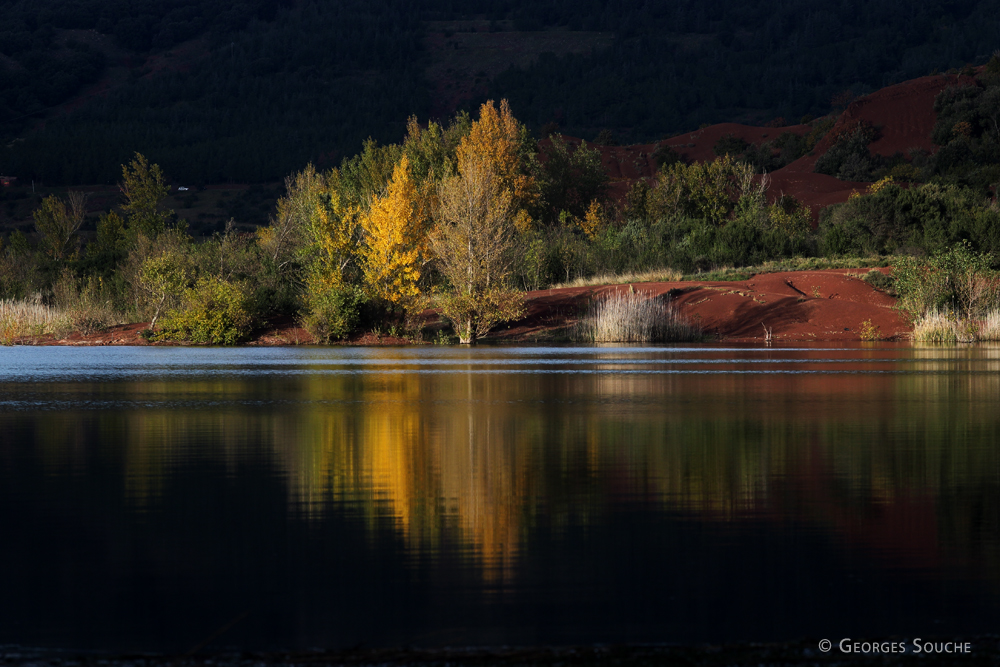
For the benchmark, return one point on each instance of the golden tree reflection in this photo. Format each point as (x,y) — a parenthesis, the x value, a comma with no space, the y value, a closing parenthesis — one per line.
(902,464)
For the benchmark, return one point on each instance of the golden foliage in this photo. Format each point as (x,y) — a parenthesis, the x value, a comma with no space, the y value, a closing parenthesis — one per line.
(593,222)
(334,226)
(499,143)
(474,245)
(879,185)
(395,234)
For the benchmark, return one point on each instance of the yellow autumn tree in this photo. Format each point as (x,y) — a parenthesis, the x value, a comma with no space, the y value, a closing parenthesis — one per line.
(474,243)
(501,146)
(334,227)
(478,213)
(394,231)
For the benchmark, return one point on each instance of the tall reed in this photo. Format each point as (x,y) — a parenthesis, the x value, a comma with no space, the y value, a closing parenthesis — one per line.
(989,328)
(22,318)
(634,318)
(935,327)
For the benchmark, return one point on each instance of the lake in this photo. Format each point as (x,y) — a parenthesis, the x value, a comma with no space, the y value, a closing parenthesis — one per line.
(442,496)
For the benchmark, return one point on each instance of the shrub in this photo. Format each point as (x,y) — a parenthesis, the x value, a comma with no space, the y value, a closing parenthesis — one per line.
(869,332)
(214,311)
(848,158)
(730,144)
(473,315)
(926,218)
(958,280)
(665,155)
(880,281)
(89,308)
(634,318)
(333,313)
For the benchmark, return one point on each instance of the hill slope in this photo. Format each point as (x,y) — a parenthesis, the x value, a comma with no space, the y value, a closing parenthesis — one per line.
(249,92)
(902,114)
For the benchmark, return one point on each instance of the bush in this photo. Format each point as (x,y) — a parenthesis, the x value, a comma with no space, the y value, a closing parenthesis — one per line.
(89,307)
(730,144)
(880,281)
(665,155)
(333,312)
(958,280)
(849,159)
(214,311)
(869,332)
(928,218)
(473,315)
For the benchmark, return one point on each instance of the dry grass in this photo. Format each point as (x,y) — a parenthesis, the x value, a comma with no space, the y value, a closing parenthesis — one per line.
(21,319)
(634,318)
(942,327)
(658,276)
(989,328)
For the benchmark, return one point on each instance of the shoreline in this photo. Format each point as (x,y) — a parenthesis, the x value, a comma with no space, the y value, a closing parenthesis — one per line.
(820,305)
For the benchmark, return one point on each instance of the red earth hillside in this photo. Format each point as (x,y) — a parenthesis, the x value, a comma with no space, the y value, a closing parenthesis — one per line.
(903,114)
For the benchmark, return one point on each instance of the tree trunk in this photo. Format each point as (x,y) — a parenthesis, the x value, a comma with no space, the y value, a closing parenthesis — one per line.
(467,336)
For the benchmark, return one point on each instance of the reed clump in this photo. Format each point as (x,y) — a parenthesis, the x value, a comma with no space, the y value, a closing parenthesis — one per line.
(935,326)
(634,317)
(23,318)
(989,328)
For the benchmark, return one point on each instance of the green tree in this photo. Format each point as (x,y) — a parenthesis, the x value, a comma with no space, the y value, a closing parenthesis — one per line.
(707,191)
(164,277)
(144,189)
(572,178)
(57,223)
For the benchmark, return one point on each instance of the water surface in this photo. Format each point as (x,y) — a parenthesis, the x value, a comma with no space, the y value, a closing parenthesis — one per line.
(330,497)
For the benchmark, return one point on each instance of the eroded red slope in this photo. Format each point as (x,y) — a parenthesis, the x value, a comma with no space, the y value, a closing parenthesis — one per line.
(903,114)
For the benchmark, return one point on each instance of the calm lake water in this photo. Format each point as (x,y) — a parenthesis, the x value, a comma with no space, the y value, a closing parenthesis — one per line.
(330,497)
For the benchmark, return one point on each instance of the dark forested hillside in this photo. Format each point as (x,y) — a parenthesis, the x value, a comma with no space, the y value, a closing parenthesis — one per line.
(250,91)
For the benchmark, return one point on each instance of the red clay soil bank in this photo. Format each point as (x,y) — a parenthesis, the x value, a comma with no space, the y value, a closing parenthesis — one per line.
(822,305)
